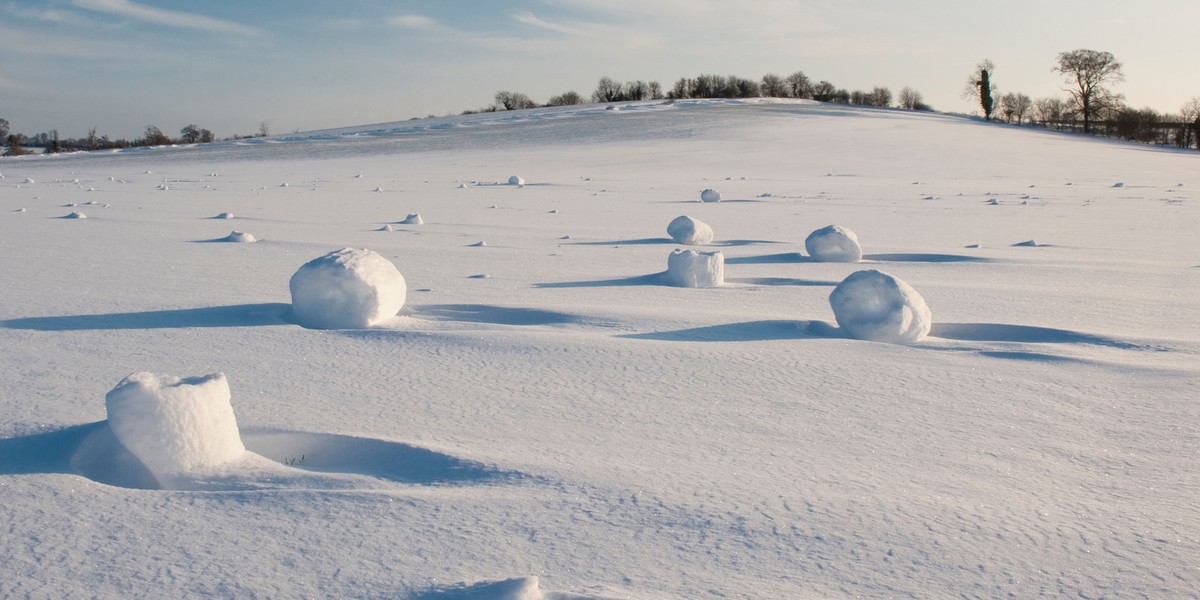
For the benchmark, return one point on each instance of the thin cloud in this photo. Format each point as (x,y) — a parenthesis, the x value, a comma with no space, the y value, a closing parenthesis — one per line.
(529,18)
(14,86)
(412,22)
(185,20)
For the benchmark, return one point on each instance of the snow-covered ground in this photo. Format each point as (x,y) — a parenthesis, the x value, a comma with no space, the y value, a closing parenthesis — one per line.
(548,418)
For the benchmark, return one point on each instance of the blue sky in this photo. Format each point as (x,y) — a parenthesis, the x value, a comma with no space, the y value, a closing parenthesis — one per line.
(119,65)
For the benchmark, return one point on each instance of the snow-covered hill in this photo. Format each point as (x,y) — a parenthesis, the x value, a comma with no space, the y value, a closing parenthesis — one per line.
(546,417)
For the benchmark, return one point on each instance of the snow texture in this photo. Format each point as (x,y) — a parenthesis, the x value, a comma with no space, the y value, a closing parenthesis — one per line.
(686,230)
(873,305)
(175,426)
(833,244)
(347,289)
(710,195)
(693,269)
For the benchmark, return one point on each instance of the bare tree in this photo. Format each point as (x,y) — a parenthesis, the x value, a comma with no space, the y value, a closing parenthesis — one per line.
(607,90)
(565,99)
(1090,72)
(263,129)
(880,96)
(1051,111)
(189,134)
(155,137)
(799,85)
(3,128)
(824,91)
(773,86)
(911,99)
(14,142)
(656,92)
(979,85)
(513,100)
(1189,115)
(1014,106)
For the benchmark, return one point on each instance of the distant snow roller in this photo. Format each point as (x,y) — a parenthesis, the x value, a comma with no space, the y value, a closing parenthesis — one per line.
(710,195)
(347,289)
(692,269)
(686,230)
(873,305)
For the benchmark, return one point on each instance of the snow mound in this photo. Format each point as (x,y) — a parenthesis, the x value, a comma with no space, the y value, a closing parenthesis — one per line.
(75,215)
(240,237)
(689,268)
(710,195)
(413,219)
(224,215)
(175,426)
(347,289)
(516,180)
(686,230)
(386,227)
(833,244)
(873,305)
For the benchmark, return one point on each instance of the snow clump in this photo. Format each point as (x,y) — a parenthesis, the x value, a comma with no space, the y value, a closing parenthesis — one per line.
(873,305)
(686,230)
(240,237)
(516,180)
(347,289)
(413,219)
(710,195)
(689,268)
(833,244)
(172,425)
(75,215)
(224,215)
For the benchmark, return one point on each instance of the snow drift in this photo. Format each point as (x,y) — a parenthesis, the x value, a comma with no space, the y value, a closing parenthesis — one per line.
(175,426)
(833,244)
(873,305)
(347,289)
(686,230)
(689,268)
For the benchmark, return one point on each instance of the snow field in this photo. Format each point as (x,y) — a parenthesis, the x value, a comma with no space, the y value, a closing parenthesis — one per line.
(571,418)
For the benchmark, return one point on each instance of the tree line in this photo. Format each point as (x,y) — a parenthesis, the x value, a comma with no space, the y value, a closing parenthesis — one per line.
(1091,105)
(17,144)
(796,85)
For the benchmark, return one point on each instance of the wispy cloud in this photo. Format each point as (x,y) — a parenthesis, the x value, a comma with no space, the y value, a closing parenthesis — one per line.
(13,86)
(171,18)
(412,22)
(529,18)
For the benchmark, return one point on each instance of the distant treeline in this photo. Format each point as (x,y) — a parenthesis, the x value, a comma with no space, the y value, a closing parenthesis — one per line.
(1090,106)
(17,144)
